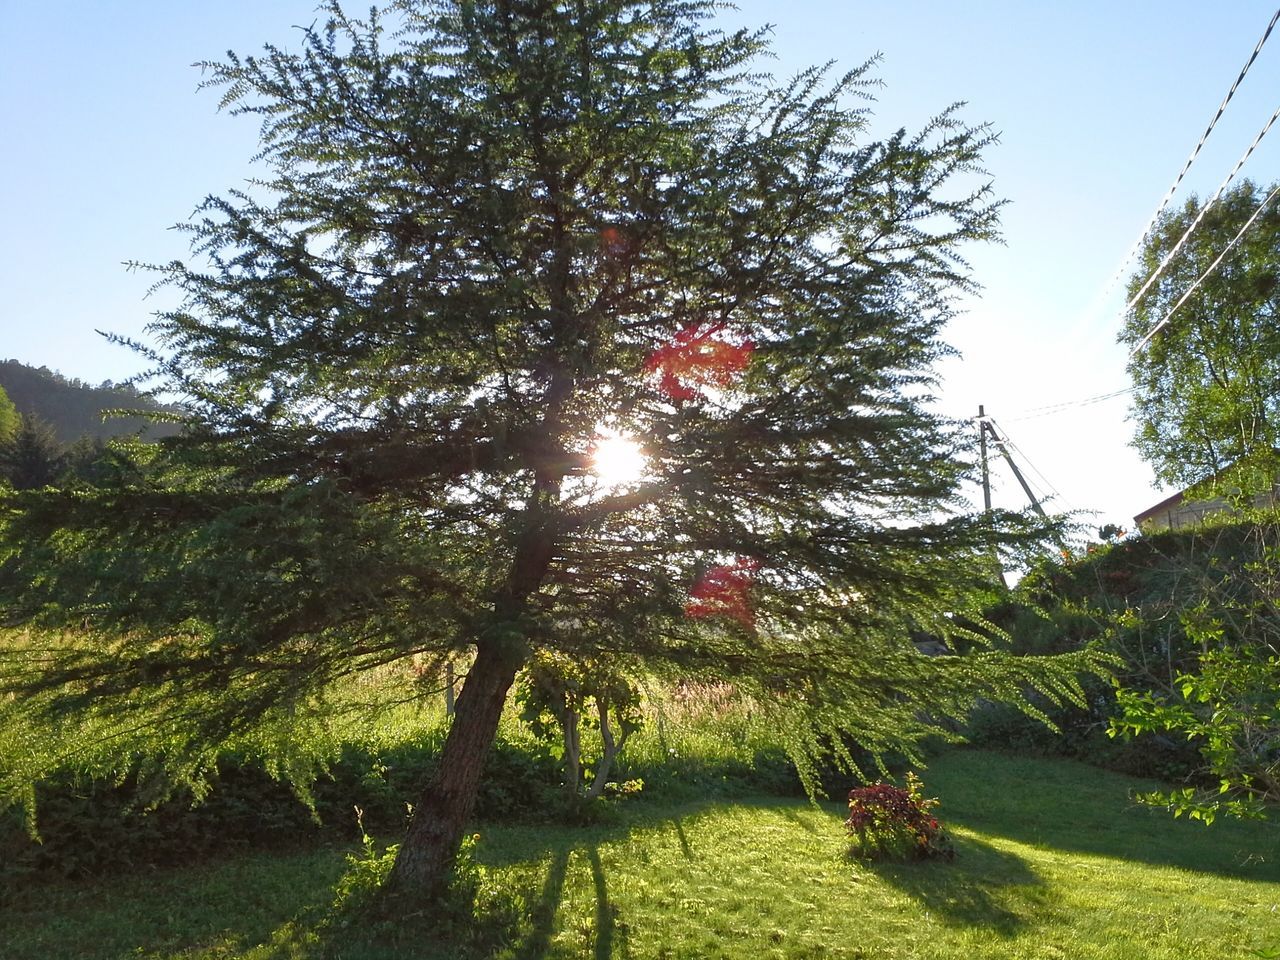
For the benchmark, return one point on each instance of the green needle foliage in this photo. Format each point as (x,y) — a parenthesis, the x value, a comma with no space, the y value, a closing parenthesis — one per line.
(31,456)
(481,223)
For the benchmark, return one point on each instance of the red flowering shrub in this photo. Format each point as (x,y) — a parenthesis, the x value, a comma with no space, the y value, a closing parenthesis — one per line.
(893,823)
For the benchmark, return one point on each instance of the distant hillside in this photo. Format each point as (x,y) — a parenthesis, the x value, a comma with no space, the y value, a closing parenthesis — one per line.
(74,408)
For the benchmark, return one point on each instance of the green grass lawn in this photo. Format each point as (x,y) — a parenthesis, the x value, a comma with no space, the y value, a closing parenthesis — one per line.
(1053,861)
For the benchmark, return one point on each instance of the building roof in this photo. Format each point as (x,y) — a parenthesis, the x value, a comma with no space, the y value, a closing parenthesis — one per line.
(1168,503)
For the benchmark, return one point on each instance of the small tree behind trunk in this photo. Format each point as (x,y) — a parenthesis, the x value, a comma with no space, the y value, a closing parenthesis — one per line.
(612,747)
(572,751)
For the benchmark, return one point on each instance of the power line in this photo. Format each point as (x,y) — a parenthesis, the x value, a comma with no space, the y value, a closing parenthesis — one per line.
(1200,216)
(1212,267)
(1055,408)
(1191,159)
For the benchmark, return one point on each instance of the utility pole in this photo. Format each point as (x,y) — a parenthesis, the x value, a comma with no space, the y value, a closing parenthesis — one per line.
(987,431)
(982,447)
(985,427)
(986,488)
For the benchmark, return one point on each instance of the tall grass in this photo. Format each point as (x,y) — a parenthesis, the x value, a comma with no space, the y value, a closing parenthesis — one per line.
(700,738)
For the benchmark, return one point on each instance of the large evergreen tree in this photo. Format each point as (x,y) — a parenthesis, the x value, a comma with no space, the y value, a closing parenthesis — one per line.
(516,228)
(32,457)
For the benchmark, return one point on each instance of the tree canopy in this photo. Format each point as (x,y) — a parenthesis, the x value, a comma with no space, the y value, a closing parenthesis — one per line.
(493,236)
(1207,386)
(1207,405)
(32,457)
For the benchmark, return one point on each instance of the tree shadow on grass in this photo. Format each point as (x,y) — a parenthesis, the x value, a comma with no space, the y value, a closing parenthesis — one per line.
(456,930)
(983,887)
(544,910)
(1071,806)
(804,824)
(610,933)
(524,843)
(216,908)
(608,928)
(685,847)
(516,919)
(286,910)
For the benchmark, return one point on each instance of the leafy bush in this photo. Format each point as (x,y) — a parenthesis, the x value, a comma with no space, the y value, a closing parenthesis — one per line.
(1159,602)
(895,823)
(521,781)
(92,826)
(1231,708)
(357,889)
(701,742)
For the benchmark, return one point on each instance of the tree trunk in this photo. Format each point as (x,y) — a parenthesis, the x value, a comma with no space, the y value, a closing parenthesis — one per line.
(572,749)
(611,749)
(427,855)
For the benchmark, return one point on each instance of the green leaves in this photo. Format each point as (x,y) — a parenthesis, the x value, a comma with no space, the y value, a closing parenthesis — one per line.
(1205,397)
(1230,707)
(9,418)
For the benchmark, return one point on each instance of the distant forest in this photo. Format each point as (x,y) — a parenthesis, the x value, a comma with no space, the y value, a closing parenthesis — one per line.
(74,409)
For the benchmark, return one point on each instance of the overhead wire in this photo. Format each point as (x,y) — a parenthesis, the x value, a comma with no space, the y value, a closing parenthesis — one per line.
(1212,267)
(1055,408)
(1201,214)
(1137,244)
(1048,489)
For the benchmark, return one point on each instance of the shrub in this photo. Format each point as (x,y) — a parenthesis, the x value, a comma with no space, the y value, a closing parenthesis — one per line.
(895,823)
(92,826)
(1158,601)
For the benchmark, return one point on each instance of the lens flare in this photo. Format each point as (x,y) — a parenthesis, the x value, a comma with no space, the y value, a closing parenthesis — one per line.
(698,356)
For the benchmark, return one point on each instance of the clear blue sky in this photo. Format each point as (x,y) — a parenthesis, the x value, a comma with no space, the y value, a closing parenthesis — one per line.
(107,144)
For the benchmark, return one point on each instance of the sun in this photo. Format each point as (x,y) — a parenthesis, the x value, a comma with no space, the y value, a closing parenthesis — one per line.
(617,460)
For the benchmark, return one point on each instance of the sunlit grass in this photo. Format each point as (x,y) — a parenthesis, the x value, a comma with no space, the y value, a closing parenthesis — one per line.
(1053,862)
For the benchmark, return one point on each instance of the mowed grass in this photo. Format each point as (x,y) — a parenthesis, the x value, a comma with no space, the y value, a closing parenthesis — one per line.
(1053,861)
